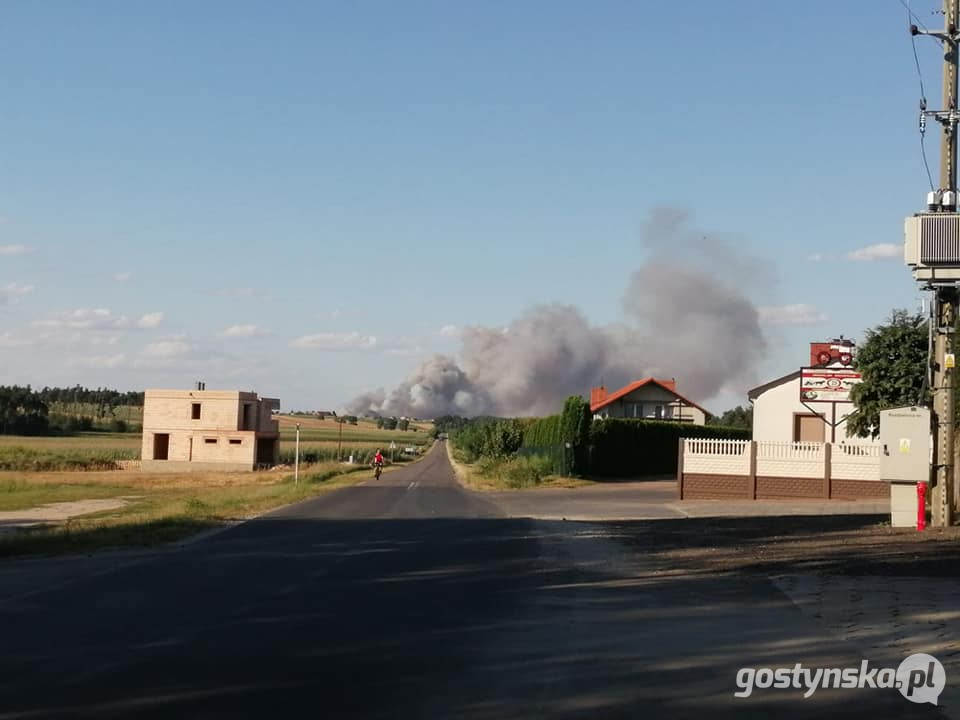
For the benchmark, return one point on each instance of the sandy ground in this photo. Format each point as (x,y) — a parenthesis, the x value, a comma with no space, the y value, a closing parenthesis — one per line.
(56,512)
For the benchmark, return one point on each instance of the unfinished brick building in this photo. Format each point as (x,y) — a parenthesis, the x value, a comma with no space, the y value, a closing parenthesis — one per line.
(224,430)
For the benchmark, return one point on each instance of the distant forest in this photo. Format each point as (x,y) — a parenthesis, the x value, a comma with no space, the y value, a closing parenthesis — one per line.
(25,411)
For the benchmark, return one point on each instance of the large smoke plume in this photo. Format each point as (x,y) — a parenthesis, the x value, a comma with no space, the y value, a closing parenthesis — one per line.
(685,317)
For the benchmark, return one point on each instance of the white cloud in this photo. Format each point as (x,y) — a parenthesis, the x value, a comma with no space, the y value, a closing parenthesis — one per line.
(103,361)
(402,347)
(451,331)
(815,257)
(880,251)
(239,292)
(98,319)
(9,340)
(12,291)
(798,314)
(85,319)
(150,320)
(336,341)
(14,249)
(167,348)
(242,331)
(122,276)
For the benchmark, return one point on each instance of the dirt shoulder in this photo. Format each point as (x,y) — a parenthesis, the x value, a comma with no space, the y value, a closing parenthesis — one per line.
(832,545)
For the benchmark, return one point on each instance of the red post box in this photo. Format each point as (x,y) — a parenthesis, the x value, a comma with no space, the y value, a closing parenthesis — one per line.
(921,505)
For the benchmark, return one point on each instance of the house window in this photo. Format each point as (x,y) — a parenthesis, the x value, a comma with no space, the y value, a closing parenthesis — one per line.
(210,441)
(658,412)
(234,441)
(195,411)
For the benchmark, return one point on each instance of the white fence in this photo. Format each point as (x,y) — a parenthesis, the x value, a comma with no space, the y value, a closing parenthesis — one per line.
(781,459)
(708,456)
(791,459)
(855,462)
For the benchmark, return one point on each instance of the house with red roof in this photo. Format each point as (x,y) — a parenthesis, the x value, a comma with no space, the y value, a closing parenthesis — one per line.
(647,399)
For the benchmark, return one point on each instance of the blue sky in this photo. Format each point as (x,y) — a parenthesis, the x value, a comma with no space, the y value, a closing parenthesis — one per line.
(190,188)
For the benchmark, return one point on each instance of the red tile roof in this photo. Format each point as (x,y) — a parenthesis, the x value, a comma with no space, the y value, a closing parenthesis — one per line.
(668,385)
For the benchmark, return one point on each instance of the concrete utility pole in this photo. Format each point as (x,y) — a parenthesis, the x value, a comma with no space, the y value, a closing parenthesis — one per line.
(945,308)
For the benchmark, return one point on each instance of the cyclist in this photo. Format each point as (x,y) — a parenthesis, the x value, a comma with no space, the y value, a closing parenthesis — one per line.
(377,464)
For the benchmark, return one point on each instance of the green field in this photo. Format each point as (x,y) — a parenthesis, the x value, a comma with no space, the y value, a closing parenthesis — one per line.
(72,452)
(80,441)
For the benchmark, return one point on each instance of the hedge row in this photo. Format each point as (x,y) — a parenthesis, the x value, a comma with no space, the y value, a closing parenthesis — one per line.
(544,432)
(626,448)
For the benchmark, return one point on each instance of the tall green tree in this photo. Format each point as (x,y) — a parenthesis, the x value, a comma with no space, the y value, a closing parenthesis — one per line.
(738,417)
(893,361)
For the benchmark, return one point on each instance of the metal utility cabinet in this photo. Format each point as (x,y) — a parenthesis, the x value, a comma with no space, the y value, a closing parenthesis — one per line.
(905,460)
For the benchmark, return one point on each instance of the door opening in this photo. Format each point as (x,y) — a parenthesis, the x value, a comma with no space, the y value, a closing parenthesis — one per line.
(161,446)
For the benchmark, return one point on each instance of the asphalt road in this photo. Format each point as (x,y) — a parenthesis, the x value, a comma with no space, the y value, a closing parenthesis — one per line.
(411,598)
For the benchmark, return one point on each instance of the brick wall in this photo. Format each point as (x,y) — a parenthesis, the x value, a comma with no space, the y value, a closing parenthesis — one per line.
(715,487)
(769,488)
(723,487)
(789,468)
(860,489)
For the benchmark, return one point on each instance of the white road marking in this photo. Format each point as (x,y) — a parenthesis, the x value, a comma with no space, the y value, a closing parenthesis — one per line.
(410,486)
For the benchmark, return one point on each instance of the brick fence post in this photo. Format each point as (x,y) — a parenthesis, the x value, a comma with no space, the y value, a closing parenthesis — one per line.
(827,470)
(680,469)
(753,469)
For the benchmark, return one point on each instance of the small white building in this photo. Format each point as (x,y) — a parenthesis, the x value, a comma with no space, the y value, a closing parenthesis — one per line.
(780,415)
(647,399)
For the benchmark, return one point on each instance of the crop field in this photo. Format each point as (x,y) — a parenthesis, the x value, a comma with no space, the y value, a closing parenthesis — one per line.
(365,431)
(81,441)
(89,450)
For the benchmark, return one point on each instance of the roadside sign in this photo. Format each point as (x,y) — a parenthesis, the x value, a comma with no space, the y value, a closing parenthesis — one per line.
(393,445)
(827,384)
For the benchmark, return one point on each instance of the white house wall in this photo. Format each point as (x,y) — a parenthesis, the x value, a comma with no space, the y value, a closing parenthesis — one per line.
(775,408)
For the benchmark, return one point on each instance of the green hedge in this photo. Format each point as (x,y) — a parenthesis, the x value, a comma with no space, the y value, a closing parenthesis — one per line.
(627,448)
(544,432)
(564,437)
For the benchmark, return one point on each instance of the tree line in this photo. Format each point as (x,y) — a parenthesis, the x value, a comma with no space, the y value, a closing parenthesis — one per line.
(25,411)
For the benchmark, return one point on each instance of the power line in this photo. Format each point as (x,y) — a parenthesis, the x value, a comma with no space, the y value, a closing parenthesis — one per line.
(923,93)
(912,15)
(916,58)
(926,164)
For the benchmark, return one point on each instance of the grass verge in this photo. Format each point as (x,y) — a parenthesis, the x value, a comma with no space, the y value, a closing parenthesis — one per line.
(161,509)
(520,473)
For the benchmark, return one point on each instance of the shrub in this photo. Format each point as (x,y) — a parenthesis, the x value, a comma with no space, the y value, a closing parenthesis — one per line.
(516,472)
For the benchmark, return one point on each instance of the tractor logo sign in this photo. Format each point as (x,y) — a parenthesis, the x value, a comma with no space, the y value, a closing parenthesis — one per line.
(827,384)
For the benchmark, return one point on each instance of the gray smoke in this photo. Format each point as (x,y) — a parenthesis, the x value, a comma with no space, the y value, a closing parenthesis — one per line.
(685,317)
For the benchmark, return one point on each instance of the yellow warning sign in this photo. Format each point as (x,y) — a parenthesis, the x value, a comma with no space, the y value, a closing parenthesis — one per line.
(905,445)
(949,361)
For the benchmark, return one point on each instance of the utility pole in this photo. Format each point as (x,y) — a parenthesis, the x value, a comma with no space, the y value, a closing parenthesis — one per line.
(296,462)
(340,439)
(944,310)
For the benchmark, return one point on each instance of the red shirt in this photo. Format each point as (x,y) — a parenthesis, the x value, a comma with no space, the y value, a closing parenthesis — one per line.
(378,459)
